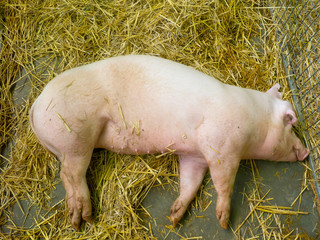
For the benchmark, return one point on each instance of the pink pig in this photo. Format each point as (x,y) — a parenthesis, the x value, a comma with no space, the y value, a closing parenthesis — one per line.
(142,104)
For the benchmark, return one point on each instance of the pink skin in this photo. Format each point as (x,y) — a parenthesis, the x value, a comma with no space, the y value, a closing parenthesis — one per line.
(142,104)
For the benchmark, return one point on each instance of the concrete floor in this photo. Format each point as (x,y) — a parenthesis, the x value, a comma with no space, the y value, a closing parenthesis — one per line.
(284,189)
(284,180)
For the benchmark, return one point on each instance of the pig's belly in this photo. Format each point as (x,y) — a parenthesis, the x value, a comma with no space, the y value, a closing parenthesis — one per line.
(149,140)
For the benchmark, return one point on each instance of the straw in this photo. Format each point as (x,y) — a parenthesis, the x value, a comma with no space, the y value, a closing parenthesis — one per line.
(232,41)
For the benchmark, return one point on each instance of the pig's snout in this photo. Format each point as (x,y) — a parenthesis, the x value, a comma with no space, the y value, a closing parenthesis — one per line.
(301,153)
(290,152)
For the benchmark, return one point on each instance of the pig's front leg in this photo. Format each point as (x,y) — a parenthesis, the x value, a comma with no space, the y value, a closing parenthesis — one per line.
(73,175)
(192,171)
(223,173)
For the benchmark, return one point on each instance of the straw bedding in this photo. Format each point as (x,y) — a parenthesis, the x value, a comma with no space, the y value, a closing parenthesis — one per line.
(233,41)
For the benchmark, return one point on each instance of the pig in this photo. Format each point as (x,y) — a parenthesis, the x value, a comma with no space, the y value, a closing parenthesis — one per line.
(138,104)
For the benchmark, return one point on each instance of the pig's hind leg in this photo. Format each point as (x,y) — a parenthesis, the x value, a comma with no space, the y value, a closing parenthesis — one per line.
(192,171)
(73,175)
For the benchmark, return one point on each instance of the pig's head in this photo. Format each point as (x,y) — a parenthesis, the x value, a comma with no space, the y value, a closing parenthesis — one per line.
(289,146)
(286,145)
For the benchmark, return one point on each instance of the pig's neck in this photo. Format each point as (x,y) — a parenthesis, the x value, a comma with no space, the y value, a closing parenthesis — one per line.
(265,136)
(264,147)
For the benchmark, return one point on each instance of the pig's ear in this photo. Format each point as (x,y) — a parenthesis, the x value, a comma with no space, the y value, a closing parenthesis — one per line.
(274,91)
(290,118)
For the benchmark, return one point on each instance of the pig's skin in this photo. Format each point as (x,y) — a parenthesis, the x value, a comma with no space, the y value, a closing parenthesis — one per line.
(143,104)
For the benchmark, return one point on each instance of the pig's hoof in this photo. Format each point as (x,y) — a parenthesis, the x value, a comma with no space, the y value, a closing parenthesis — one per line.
(223,219)
(177,211)
(80,209)
(75,217)
(87,218)
(174,221)
(76,221)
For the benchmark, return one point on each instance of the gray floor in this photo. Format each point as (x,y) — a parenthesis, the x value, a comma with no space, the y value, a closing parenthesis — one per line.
(284,188)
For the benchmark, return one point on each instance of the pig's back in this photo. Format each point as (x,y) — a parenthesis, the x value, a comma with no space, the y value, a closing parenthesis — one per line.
(150,73)
(131,76)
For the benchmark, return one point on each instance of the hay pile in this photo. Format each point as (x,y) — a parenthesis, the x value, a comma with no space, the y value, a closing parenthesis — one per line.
(232,40)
